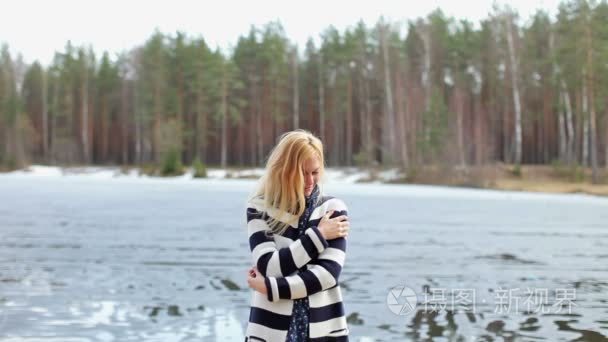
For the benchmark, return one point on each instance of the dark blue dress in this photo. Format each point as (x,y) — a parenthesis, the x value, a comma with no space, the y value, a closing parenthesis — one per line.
(298,326)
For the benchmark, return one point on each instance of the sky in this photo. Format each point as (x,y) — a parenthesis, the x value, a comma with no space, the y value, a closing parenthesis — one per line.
(37,29)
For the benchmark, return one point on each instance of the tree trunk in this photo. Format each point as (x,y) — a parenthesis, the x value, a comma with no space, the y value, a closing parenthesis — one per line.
(585,156)
(253,115)
(426,72)
(565,125)
(137,108)
(19,152)
(105,130)
(201,125)
(180,115)
(585,101)
(515,89)
(125,120)
(259,132)
(349,121)
(321,101)
(368,126)
(53,122)
(363,114)
(388,97)
(459,114)
(549,122)
(592,120)
(45,118)
(561,122)
(401,118)
(69,112)
(606,138)
(296,89)
(224,111)
(569,123)
(426,80)
(85,116)
(7,142)
(480,146)
(157,122)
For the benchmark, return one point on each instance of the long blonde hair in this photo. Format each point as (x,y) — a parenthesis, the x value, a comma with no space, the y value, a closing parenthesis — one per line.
(282,185)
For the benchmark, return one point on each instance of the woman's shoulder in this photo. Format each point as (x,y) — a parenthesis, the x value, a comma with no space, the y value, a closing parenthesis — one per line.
(256,203)
(332,203)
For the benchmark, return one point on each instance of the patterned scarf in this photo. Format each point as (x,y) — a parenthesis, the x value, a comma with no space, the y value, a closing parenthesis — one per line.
(310,204)
(299,323)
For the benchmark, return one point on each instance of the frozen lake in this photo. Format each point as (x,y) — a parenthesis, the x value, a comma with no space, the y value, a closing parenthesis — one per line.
(88,259)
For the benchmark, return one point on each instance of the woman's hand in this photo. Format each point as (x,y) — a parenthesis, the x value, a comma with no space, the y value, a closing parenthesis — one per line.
(334,228)
(256,280)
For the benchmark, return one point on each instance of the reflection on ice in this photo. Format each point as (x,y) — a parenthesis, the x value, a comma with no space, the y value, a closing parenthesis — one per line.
(143,260)
(110,321)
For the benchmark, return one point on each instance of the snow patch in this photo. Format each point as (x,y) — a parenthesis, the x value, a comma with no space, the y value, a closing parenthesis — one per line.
(351,180)
(340,175)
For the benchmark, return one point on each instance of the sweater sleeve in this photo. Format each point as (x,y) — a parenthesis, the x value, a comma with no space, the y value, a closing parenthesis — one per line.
(272,261)
(321,274)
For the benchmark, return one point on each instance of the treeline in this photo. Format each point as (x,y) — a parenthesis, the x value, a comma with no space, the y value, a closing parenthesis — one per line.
(439,91)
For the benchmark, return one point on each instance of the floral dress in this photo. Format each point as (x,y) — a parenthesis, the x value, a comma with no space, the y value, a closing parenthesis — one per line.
(298,326)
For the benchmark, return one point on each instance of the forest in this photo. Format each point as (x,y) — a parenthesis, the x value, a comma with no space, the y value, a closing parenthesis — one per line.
(431,91)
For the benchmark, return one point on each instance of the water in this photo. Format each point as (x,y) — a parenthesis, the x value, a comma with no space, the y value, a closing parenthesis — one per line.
(86,259)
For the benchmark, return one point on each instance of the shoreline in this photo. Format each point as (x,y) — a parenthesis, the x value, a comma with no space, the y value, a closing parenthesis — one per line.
(529,178)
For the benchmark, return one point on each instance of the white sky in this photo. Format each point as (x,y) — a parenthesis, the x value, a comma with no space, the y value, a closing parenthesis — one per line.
(37,29)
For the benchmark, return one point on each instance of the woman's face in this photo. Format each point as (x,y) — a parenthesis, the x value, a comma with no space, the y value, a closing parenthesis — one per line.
(311,171)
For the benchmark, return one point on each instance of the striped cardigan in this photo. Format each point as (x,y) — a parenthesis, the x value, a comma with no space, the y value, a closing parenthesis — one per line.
(308,266)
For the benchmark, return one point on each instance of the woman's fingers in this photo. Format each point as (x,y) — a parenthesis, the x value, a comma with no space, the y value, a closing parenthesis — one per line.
(336,227)
(344,228)
(341,218)
(253,272)
(344,224)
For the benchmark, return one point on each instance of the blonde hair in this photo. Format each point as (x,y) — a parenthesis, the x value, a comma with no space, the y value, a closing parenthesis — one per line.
(282,185)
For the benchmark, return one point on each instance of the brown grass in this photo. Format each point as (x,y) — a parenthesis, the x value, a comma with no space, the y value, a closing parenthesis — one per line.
(552,186)
(537,178)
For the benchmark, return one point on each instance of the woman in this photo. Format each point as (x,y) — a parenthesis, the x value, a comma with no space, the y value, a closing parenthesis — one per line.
(297,239)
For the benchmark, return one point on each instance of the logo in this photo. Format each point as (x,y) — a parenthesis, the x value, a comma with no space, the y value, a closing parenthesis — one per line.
(401,300)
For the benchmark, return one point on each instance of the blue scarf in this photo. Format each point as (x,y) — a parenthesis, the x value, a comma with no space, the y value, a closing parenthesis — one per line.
(299,321)
(310,204)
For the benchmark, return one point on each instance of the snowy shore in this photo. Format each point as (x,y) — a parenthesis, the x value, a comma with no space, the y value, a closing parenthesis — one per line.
(341,175)
(354,180)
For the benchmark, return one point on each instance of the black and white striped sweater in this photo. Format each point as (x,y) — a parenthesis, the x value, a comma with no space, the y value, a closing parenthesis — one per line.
(294,268)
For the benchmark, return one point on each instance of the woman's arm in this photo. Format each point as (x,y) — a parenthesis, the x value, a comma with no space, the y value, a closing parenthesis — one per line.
(278,262)
(322,274)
